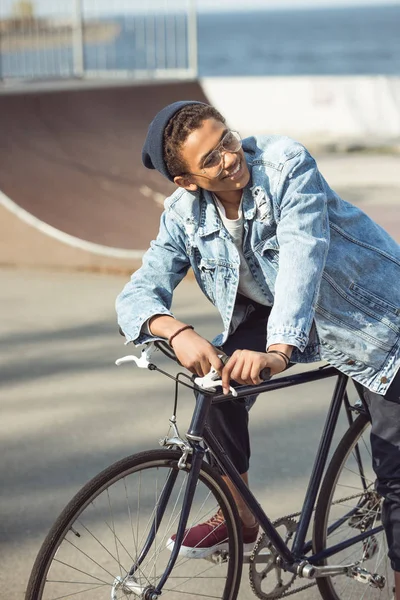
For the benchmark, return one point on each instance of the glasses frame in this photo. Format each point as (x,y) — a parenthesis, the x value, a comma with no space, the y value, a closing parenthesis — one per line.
(220,148)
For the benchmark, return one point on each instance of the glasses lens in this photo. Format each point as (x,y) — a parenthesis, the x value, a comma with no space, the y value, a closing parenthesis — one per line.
(232,141)
(213,160)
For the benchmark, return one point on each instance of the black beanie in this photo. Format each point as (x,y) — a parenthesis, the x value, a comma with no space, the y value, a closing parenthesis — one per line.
(152,152)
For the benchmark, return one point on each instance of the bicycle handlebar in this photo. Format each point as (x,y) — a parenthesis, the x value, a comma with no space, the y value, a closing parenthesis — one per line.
(265,373)
(208,382)
(165,348)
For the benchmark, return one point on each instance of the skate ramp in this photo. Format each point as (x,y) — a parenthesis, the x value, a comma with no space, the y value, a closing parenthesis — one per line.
(74,193)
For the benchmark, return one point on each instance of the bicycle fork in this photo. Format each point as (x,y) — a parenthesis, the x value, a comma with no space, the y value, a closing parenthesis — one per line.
(129,584)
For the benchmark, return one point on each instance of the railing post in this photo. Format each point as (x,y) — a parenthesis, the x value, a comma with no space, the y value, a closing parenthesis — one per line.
(78,40)
(192,37)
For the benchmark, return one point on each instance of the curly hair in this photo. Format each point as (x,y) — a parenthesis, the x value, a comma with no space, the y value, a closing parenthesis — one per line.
(179,128)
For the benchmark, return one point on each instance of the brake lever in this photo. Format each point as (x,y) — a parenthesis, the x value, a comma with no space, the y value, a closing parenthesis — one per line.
(143,362)
(211,382)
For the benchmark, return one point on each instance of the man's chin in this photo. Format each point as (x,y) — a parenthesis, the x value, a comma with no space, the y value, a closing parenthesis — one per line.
(227,185)
(243,181)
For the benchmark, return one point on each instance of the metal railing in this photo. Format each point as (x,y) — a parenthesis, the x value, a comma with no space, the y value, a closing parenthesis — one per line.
(140,39)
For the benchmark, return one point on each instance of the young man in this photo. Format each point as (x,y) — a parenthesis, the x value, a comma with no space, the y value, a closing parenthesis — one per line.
(296,273)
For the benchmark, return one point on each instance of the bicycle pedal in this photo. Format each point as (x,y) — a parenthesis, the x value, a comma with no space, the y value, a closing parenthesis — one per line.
(374,580)
(218,558)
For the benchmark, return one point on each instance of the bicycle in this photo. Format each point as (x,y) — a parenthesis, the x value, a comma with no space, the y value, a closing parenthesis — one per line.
(114,537)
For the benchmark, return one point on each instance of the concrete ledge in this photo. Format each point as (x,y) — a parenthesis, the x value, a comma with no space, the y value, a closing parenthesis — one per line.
(354,110)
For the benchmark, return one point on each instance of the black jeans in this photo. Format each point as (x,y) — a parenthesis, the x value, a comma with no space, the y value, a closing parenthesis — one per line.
(229,423)
(229,420)
(385,446)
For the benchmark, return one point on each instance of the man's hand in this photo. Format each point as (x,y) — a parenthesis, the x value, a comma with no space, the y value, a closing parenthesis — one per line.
(245,366)
(198,356)
(195,353)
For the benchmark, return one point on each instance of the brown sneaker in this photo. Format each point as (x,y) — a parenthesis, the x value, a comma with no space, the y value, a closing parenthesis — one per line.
(206,538)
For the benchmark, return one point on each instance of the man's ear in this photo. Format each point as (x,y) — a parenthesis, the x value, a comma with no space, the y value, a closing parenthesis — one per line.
(185,182)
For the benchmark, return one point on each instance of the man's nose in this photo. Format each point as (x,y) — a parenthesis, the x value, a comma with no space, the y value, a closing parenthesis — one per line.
(229,158)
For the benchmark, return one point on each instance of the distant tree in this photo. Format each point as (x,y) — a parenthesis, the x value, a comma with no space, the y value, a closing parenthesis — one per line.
(23,9)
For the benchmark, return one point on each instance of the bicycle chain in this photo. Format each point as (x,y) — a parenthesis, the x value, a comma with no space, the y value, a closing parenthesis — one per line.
(289,592)
(297,590)
(297,514)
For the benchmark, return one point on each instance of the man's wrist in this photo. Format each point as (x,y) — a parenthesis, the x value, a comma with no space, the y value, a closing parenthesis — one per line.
(177,332)
(285,348)
(164,326)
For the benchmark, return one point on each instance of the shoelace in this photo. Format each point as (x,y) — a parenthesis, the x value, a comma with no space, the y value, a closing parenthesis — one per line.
(216,520)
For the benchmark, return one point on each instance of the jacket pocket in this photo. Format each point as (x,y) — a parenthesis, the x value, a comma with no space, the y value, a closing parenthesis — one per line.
(207,270)
(269,249)
(268,244)
(216,275)
(373,301)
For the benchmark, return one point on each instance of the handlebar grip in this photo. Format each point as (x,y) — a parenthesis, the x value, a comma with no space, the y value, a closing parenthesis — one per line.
(265,373)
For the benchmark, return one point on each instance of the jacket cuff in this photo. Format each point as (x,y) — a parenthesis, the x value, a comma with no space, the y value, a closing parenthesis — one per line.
(140,334)
(289,336)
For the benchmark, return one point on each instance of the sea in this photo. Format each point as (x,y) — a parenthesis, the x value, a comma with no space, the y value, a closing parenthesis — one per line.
(324,41)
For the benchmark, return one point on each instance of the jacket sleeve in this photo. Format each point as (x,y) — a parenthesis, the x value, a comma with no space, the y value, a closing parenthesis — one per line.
(150,289)
(303,238)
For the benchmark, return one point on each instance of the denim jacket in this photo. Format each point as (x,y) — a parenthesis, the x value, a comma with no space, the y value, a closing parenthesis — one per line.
(331,274)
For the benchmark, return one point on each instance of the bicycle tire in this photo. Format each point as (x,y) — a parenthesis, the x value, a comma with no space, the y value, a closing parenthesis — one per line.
(121,475)
(363,508)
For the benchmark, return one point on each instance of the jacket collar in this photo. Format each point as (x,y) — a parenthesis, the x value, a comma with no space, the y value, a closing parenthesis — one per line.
(199,209)
(210,220)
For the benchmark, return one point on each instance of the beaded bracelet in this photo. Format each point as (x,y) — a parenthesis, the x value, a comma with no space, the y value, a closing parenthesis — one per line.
(284,356)
(177,332)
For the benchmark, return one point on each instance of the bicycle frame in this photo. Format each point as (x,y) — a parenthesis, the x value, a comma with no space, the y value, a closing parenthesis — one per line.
(294,559)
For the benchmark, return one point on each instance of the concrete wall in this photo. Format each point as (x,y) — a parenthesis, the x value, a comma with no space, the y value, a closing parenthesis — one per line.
(317,109)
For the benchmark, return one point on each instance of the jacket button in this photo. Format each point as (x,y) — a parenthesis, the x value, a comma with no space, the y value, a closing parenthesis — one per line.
(350,362)
(384,379)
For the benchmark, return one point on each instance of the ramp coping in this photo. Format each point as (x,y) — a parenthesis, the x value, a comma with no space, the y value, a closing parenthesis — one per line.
(66,238)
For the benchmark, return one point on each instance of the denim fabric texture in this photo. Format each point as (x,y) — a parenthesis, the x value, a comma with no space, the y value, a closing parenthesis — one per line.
(384,412)
(330,272)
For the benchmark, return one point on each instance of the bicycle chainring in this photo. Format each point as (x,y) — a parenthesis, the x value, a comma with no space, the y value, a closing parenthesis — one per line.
(267,579)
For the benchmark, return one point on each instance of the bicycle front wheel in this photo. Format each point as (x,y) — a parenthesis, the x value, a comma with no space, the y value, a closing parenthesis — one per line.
(107,531)
(348,505)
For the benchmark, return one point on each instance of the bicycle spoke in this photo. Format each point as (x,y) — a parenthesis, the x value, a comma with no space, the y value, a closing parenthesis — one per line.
(198,595)
(76,593)
(79,570)
(89,557)
(97,540)
(205,571)
(115,537)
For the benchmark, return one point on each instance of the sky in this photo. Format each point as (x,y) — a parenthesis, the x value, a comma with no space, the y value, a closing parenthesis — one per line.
(53,7)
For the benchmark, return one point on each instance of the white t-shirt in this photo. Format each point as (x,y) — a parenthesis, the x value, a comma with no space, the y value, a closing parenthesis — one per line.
(247,285)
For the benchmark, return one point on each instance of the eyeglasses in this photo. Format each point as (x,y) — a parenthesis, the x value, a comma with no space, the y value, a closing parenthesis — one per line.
(213,164)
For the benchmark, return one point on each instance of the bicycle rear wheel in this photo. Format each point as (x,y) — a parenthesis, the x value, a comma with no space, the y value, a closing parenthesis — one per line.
(103,530)
(347,506)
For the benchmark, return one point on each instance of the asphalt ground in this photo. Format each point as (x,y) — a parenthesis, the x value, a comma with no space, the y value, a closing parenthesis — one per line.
(67,411)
